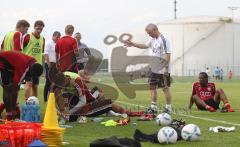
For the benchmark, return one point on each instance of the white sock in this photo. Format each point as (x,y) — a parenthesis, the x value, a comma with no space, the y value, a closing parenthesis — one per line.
(113,113)
(169,107)
(154,106)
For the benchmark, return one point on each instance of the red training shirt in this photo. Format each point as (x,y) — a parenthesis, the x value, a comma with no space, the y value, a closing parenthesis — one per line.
(19,64)
(64,49)
(204,93)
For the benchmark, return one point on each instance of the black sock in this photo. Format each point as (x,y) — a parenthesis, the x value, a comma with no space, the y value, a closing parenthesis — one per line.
(139,136)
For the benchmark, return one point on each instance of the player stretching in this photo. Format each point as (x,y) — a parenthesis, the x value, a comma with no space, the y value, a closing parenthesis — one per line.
(206,97)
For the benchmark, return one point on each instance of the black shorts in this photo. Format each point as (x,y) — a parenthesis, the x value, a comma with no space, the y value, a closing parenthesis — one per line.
(212,103)
(159,80)
(6,73)
(6,77)
(33,79)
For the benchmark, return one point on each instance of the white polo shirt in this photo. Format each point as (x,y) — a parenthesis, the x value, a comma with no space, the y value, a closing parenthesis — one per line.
(50,51)
(158,48)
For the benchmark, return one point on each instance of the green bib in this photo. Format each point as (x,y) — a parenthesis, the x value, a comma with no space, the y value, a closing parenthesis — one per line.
(34,48)
(72,75)
(8,41)
(71,88)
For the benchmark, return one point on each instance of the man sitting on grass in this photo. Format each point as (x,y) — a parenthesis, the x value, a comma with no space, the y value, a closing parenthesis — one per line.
(206,97)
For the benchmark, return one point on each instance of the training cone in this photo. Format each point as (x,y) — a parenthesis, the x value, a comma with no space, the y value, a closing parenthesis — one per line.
(52,134)
(50,118)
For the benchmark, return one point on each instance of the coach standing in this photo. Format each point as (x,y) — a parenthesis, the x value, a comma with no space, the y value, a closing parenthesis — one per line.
(160,76)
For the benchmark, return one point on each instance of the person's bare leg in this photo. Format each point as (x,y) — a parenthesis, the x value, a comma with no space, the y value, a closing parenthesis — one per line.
(118,109)
(27,90)
(201,104)
(10,93)
(153,96)
(168,97)
(220,96)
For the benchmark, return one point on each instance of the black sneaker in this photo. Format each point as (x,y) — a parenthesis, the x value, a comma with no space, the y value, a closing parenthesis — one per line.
(224,110)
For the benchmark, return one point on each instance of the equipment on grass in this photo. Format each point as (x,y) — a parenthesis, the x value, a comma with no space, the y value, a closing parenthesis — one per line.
(190,132)
(221,129)
(163,119)
(32,100)
(167,135)
(30,113)
(52,134)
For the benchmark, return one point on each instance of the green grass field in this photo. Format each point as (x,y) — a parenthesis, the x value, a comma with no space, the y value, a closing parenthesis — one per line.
(82,134)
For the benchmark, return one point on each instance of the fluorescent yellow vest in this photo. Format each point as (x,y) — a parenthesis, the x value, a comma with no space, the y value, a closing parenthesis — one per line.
(8,41)
(34,48)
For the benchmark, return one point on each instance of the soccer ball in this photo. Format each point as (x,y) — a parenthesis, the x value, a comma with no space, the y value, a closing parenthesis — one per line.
(190,132)
(167,135)
(32,100)
(163,119)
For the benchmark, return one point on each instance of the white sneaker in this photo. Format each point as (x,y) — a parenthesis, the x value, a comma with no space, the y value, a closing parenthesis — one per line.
(154,108)
(82,119)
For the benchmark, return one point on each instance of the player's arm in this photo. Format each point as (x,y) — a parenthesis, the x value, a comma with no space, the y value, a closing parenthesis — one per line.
(82,98)
(129,43)
(75,48)
(191,97)
(46,57)
(190,103)
(2,46)
(17,42)
(26,40)
(60,99)
(167,58)
(57,55)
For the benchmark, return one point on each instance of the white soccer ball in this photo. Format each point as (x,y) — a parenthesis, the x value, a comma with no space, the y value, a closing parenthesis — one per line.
(190,132)
(32,100)
(163,119)
(167,135)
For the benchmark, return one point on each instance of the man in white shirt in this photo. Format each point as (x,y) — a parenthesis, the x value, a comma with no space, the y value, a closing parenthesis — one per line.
(159,64)
(50,58)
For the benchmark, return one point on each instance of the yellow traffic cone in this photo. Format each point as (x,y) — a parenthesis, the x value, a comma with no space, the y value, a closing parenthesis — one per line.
(52,134)
(50,118)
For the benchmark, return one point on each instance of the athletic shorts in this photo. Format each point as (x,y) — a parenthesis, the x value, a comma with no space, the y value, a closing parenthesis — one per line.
(212,103)
(33,79)
(6,77)
(6,74)
(159,80)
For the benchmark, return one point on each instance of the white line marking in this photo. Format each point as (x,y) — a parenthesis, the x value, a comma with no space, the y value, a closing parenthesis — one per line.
(191,116)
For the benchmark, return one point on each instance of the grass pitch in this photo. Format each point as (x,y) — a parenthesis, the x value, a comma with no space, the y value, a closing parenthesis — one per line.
(82,134)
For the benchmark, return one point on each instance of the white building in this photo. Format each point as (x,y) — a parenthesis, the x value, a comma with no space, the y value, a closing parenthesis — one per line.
(199,42)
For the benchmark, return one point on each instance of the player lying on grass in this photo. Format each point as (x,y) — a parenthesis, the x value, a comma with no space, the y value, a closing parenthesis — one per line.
(206,97)
(74,98)
(14,66)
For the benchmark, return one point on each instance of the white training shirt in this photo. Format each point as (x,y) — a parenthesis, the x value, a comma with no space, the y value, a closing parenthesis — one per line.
(50,51)
(158,48)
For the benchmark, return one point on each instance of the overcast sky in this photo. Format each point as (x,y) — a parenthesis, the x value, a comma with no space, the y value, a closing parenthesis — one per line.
(97,18)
